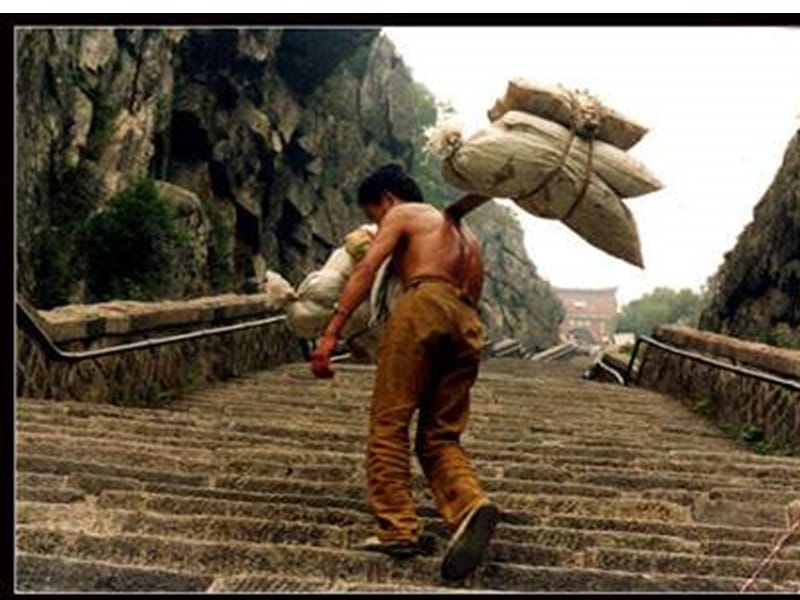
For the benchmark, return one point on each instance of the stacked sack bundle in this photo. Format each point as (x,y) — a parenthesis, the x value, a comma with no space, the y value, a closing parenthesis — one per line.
(559,154)
(310,307)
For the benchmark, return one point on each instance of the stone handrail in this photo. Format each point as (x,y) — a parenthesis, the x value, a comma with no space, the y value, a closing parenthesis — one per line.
(746,406)
(150,375)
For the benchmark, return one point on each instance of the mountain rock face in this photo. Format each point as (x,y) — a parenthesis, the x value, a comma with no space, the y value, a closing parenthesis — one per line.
(516,302)
(755,294)
(259,139)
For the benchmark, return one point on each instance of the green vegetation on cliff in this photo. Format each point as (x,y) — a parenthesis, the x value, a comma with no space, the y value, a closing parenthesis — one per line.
(133,246)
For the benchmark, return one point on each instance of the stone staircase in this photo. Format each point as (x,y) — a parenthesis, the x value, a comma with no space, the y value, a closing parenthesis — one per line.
(257,484)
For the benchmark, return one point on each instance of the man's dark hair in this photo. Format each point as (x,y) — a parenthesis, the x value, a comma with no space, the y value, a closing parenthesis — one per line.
(388,178)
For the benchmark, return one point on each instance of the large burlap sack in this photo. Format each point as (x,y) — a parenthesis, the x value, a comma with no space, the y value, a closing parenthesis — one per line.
(514,154)
(512,158)
(561,105)
(624,174)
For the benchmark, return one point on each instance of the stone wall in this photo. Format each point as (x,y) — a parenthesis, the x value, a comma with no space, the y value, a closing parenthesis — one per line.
(764,413)
(150,376)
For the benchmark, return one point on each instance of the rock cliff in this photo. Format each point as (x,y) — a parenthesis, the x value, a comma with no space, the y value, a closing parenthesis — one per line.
(259,138)
(755,294)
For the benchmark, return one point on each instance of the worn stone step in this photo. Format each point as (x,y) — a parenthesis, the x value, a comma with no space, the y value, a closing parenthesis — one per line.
(61,459)
(631,480)
(706,540)
(329,437)
(489,406)
(721,511)
(49,494)
(63,466)
(648,562)
(207,440)
(44,480)
(529,397)
(224,559)
(154,456)
(229,558)
(542,536)
(42,573)
(298,525)
(279,583)
(546,512)
(751,550)
(690,531)
(213,428)
(531,578)
(545,418)
(51,463)
(232,487)
(556,468)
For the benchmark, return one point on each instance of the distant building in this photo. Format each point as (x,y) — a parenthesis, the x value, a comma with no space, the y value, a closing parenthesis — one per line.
(590,314)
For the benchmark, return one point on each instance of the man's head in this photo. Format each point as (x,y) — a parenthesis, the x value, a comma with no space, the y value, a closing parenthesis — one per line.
(385,187)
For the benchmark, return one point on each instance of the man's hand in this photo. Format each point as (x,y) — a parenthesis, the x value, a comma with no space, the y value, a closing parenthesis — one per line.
(321,357)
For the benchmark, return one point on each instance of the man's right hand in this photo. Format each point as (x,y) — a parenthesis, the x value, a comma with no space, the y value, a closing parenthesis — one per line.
(321,357)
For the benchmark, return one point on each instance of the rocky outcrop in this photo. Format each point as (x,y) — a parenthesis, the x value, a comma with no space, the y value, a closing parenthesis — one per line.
(516,302)
(94,101)
(259,137)
(755,292)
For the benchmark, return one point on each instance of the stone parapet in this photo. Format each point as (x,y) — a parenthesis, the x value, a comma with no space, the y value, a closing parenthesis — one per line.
(150,376)
(753,409)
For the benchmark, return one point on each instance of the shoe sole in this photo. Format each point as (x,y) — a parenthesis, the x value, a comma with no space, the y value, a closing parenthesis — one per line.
(469,548)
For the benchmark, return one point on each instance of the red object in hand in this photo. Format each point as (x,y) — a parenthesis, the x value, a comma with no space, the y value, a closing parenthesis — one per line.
(321,365)
(321,357)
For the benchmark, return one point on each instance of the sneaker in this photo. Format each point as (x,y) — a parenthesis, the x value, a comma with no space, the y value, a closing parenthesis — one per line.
(468,545)
(394,548)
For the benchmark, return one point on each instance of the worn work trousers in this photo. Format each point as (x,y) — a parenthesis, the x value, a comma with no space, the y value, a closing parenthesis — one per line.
(428,358)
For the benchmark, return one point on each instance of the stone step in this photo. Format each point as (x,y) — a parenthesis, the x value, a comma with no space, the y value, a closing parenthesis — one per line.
(344,433)
(59,437)
(222,560)
(48,494)
(689,537)
(662,562)
(342,494)
(277,460)
(63,466)
(62,459)
(690,531)
(565,498)
(483,400)
(583,579)
(279,583)
(42,573)
(257,484)
(298,525)
(282,437)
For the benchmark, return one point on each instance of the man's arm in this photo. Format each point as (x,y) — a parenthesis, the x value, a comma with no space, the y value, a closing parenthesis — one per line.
(361,279)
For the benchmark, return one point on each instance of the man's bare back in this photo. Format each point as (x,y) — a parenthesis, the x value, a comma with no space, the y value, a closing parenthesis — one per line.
(422,242)
(433,247)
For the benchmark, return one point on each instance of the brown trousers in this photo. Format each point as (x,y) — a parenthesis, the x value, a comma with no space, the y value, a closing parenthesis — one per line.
(428,358)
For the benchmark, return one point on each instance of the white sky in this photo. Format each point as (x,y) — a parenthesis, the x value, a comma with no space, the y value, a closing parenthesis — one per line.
(721,105)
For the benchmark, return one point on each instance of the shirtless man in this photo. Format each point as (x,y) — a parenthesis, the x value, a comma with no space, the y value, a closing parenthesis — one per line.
(428,360)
